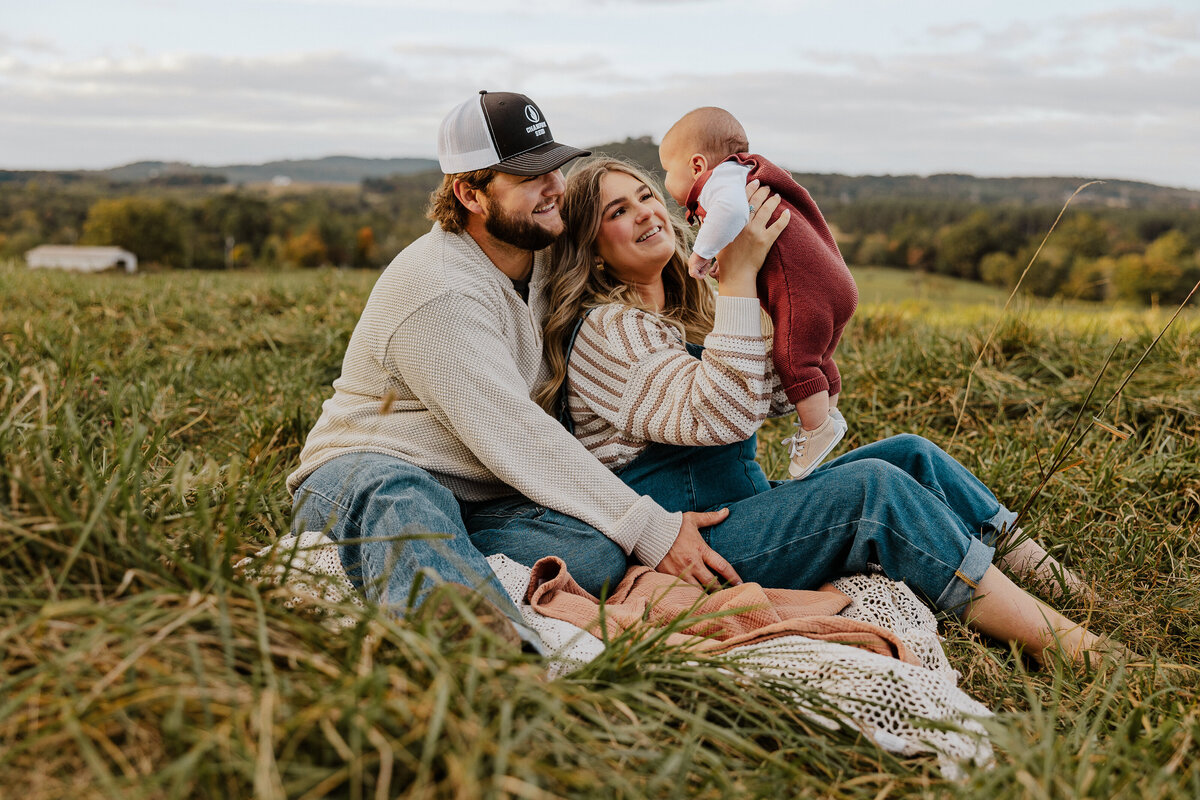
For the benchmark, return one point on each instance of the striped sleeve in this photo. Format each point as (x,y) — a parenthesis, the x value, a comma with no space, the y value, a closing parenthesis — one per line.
(634,380)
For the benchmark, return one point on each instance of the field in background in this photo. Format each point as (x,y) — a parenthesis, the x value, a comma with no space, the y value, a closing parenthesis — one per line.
(883,285)
(146,426)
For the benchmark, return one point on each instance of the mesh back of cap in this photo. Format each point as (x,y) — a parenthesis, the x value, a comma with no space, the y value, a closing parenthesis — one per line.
(464,143)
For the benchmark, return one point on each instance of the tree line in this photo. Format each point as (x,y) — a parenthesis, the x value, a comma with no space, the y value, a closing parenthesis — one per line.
(1138,255)
(1143,254)
(182,225)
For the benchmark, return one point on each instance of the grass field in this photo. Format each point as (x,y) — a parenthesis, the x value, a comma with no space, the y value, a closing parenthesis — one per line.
(878,285)
(146,426)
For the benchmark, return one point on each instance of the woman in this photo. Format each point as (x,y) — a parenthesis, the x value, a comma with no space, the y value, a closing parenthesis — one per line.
(676,421)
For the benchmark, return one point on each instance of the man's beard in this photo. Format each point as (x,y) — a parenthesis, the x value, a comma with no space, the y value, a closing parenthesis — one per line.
(517,231)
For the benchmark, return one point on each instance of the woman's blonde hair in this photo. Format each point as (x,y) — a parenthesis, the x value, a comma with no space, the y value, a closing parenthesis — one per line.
(577,281)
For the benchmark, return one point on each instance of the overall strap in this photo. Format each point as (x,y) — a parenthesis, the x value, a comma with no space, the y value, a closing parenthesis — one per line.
(564,414)
(691,207)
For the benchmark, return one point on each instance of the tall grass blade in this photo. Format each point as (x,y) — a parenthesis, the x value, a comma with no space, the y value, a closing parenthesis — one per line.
(992,333)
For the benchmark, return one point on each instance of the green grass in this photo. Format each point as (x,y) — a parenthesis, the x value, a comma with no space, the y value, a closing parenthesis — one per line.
(883,285)
(146,426)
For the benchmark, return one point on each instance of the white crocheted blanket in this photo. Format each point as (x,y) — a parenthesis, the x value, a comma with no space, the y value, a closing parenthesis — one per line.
(906,709)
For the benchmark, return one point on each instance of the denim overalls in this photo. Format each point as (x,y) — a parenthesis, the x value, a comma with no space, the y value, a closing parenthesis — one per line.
(901,503)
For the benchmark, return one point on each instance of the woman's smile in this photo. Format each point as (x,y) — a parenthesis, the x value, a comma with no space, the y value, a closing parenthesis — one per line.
(653,231)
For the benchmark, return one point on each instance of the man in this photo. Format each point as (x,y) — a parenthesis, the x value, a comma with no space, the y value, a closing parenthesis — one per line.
(431,419)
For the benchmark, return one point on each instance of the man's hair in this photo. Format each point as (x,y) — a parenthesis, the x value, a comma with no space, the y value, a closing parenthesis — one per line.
(713,132)
(445,209)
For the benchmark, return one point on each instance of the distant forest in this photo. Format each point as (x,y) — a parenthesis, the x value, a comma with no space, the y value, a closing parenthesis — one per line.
(1120,240)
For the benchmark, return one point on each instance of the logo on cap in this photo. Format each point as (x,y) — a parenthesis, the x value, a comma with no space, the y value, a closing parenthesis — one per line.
(531,113)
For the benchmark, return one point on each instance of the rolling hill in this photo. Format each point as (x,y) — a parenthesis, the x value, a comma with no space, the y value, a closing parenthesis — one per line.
(830,187)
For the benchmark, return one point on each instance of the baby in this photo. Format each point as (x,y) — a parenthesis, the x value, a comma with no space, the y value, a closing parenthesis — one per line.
(804,284)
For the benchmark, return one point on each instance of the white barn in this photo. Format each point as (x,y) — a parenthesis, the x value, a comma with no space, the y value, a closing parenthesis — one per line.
(80,259)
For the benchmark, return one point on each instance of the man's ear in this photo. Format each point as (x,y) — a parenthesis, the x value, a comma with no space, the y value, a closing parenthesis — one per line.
(469,196)
(698,163)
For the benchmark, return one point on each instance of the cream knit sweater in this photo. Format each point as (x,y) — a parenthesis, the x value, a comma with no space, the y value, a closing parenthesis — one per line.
(631,381)
(456,351)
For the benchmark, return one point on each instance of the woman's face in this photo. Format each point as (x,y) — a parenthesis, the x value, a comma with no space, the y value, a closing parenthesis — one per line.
(635,238)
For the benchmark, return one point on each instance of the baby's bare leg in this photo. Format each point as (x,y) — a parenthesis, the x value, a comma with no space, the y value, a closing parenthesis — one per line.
(813,410)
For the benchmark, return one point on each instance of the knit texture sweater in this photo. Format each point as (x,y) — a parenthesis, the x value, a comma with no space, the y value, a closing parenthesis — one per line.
(804,283)
(439,372)
(631,381)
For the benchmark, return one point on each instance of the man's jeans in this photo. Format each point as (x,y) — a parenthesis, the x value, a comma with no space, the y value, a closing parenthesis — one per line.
(525,531)
(400,531)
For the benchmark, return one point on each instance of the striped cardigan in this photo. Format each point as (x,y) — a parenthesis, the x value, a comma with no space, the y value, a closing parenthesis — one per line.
(631,381)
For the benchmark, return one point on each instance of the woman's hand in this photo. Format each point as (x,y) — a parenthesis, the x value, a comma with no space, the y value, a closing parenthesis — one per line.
(691,559)
(742,258)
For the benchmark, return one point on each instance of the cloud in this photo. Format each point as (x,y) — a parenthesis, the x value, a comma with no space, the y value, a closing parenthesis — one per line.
(449,52)
(153,86)
(1073,43)
(1162,21)
(11,44)
(1129,35)
(1103,94)
(149,106)
(527,65)
(954,30)
(198,107)
(932,112)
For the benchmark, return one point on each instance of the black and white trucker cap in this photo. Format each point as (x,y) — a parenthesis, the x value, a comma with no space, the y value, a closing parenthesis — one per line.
(503,131)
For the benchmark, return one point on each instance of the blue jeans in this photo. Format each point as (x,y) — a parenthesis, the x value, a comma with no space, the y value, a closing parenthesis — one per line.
(525,531)
(902,503)
(400,532)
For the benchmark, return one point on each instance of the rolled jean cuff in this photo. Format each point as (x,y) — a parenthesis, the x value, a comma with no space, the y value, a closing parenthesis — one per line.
(1003,522)
(958,593)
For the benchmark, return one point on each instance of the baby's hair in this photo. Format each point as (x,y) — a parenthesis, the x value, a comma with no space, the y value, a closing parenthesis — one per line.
(713,132)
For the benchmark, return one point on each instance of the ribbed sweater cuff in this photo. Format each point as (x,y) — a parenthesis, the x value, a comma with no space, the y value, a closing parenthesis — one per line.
(659,529)
(738,316)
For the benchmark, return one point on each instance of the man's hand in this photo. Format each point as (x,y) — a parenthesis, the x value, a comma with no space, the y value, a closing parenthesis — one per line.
(691,559)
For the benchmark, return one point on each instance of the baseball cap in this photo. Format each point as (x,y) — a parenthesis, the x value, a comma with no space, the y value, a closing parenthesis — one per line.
(501,130)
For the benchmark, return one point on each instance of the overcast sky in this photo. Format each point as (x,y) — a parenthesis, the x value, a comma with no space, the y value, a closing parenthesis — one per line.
(1087,88)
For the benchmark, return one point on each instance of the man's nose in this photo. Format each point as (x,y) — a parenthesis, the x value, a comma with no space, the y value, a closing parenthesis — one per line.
(554,183)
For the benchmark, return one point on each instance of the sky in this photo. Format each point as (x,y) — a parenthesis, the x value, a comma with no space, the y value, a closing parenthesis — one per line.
(1080,88)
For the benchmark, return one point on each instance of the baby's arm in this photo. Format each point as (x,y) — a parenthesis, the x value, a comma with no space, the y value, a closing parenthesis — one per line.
(726,212)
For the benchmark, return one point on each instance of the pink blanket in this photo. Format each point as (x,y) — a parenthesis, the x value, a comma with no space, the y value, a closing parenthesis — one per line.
(748,613)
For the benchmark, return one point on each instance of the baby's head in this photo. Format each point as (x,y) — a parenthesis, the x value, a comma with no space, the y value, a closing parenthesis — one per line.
(699,141)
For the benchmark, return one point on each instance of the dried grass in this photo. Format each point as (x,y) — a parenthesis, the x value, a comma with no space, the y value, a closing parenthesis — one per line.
(146,425)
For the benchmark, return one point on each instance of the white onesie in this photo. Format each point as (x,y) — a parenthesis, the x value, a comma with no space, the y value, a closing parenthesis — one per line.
(726,211)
